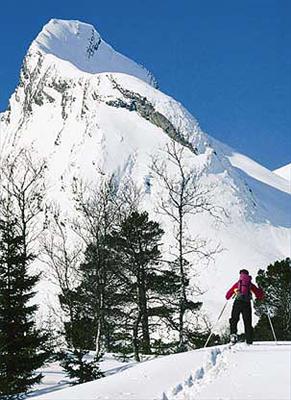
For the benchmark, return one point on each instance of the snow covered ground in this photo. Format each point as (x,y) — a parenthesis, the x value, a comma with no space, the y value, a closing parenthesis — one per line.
(258,372)
(54,377)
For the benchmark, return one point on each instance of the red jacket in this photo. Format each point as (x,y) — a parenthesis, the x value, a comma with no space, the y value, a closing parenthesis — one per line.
(258,292)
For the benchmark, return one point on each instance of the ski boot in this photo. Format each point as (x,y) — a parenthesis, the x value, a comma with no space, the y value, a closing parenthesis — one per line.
(233,338)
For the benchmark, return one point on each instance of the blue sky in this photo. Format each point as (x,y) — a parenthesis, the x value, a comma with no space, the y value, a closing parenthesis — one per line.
(227,61)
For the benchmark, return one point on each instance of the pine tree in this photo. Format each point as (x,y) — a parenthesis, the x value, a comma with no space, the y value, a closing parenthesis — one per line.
(78,334)
(119,290)
(78,368)
(276,283)
(147,288)
(98,210)
(98,289)
(22,345)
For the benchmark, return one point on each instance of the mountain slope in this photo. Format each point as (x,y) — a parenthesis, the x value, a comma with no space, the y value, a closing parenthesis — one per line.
(284,172)
(99,115)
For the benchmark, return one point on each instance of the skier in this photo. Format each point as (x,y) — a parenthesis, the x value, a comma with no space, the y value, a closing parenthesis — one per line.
(241,291)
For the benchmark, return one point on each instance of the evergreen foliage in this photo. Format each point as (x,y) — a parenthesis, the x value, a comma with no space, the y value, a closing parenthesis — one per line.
(146,288)
(276,283)
(22,347)
(98,289)
(78,332)
(78,367)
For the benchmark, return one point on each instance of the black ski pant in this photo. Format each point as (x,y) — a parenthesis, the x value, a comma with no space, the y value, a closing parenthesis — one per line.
(244,308)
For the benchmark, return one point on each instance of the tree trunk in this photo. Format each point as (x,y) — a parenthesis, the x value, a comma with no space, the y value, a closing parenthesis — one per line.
(135,337)
(146,347)
(182,300)
(100,313)
(99,331)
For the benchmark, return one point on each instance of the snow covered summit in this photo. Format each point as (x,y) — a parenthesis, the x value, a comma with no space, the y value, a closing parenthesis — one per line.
(82,46)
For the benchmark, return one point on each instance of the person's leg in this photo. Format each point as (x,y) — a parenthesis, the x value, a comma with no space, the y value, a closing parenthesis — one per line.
(247,318)
(234,317)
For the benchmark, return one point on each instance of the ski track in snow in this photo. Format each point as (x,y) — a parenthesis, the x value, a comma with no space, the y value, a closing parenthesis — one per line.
(214,364)
(239,372)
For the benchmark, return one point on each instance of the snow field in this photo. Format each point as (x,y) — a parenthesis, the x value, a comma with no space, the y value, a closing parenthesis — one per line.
(261,371)
(54,377)
(144,381)
(257,372)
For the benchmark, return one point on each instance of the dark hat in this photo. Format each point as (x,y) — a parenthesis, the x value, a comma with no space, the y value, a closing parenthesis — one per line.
(244,271)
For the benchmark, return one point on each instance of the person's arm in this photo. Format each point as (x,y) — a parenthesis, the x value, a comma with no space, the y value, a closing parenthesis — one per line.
(231,291)
(258,292)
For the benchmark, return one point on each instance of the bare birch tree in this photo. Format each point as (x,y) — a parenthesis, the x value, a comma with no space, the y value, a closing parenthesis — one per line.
(183,196)
(22,184)
(60,253)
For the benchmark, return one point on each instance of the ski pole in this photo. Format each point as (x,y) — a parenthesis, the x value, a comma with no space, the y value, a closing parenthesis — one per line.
(211,332)
(271,324)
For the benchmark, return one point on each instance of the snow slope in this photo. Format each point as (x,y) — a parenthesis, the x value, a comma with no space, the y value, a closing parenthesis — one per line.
(258,372)
(284,172)
(90,112)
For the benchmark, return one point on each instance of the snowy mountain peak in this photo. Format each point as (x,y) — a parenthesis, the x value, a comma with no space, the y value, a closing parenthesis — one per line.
(82,46)
(90,112)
